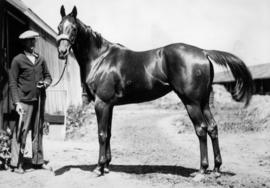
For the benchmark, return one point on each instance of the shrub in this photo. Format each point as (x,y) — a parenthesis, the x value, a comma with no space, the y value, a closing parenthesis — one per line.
(77,116)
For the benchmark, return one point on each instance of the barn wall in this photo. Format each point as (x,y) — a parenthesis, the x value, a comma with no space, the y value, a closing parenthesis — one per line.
(73,80)
(262,86)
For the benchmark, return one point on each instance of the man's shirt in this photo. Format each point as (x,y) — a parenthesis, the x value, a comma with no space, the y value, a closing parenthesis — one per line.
(30,56)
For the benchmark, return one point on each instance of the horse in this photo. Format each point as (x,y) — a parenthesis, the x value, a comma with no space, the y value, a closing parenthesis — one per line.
(114,75)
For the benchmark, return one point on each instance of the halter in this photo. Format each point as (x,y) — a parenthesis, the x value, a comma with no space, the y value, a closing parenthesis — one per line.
(59,38)
(64,37)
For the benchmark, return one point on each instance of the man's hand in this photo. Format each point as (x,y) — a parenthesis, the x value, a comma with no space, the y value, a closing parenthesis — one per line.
(42,84)
(19,108)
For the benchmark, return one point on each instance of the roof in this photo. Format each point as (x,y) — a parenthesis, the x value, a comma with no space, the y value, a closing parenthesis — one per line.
(261,71)
(18,4)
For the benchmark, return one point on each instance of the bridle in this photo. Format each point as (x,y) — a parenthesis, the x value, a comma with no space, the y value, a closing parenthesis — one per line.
(64,36)
(59,38)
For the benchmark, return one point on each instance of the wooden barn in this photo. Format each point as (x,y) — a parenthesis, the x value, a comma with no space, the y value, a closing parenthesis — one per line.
(15,18)
(260,74)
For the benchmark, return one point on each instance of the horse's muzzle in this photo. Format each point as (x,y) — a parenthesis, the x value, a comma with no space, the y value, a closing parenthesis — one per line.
(63,52)
(62,55)
(63,48)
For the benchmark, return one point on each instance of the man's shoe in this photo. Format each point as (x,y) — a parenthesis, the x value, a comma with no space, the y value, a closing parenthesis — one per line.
(42,167)
(17,170)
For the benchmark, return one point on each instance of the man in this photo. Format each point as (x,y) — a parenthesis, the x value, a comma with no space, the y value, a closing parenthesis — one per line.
(28,79)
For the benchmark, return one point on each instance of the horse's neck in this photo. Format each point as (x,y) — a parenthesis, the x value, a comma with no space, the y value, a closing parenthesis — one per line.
(87,53)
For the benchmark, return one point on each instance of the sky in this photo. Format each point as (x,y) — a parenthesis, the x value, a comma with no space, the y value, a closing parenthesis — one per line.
(241,27)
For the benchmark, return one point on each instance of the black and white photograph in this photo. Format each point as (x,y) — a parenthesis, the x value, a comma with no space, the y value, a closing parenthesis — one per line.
(134,93)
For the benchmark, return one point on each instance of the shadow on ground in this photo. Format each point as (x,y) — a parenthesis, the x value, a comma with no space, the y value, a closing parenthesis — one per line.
(133,169)
(138,169)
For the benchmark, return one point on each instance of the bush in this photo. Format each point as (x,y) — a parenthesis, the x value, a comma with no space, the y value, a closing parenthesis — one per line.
(77,117)
(5,143)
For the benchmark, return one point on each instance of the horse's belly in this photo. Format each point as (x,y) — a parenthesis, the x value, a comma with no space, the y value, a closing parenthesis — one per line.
(143,94)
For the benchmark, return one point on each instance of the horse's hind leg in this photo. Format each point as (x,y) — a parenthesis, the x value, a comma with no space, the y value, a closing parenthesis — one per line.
(103,113)
(212,131)
(197,118)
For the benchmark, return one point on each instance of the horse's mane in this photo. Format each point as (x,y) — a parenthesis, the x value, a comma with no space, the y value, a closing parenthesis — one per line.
(98,39)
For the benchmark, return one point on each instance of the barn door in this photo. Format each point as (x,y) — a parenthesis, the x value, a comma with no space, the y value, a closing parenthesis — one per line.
(3,77)
(2,34)
(13,24)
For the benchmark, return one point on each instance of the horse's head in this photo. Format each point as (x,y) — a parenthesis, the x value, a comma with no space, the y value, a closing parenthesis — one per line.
(67,32)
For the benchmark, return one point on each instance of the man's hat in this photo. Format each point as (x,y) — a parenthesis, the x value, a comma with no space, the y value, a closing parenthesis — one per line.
(28,35)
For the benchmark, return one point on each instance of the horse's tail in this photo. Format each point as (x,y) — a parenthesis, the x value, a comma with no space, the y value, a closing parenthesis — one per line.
(244,85)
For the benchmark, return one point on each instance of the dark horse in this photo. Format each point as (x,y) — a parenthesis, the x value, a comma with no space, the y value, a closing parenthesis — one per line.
(114,75)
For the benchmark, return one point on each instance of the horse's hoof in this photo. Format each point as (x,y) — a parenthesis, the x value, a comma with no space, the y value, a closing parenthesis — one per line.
(194,174)
(98,171)
(216,173)
(203,171)
(106,170)
(197,173)
(198,177)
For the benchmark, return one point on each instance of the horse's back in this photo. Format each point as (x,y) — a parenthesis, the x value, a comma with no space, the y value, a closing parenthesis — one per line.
(180,67)
(142,76)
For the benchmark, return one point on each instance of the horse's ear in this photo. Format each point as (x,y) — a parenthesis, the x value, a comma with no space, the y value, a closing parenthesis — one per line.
(62,11)
(74,12)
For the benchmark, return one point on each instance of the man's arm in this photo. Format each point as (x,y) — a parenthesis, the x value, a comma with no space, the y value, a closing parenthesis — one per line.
(13,76)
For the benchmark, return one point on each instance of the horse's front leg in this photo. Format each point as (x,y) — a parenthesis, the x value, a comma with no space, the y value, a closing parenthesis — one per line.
(108,144)
(103,113)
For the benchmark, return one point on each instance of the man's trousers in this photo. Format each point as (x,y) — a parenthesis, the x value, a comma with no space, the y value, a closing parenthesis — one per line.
(32,119)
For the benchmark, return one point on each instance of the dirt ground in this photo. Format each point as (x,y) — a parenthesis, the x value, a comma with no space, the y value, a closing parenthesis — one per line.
(150,149)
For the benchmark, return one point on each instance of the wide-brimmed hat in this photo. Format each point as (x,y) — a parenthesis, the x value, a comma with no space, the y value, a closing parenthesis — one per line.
(29,35)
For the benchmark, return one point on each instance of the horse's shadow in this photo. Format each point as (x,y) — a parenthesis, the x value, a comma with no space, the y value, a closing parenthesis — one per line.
(138,169)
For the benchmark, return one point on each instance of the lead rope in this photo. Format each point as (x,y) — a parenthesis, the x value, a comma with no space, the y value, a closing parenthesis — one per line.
(62,73)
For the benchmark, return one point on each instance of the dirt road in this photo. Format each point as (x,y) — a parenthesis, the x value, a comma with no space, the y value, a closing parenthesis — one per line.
(148,151)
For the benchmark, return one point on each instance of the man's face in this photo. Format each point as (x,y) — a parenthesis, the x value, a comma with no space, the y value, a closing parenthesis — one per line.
(29,45)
